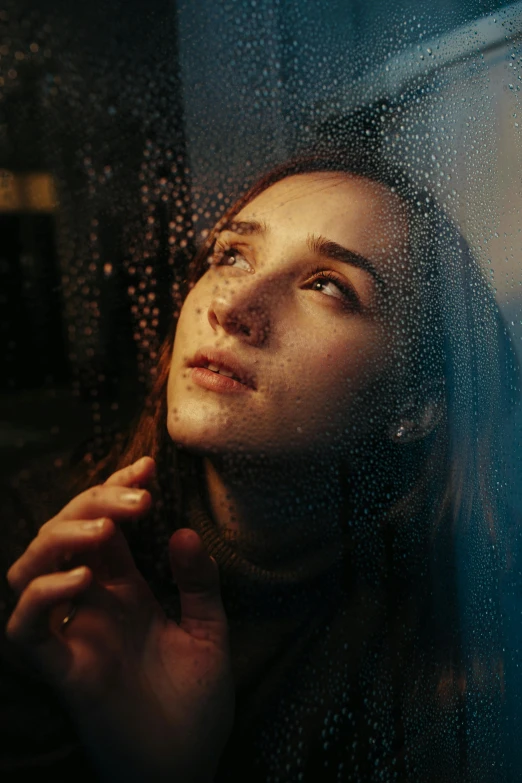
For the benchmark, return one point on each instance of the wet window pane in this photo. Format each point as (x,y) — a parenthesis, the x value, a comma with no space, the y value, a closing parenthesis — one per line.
(274,249)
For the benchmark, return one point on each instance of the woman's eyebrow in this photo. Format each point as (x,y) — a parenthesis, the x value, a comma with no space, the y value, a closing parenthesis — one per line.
(317,244)
(330,249)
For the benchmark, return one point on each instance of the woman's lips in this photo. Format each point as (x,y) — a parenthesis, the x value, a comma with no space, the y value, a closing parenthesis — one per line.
(227,364)
(214,381)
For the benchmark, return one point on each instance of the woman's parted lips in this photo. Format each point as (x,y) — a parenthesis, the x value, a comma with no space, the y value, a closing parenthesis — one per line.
(223,360)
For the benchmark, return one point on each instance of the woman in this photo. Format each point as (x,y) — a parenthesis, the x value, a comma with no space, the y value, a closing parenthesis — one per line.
(318,444)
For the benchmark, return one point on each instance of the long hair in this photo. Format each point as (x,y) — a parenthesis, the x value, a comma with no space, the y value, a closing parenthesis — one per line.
(440,501)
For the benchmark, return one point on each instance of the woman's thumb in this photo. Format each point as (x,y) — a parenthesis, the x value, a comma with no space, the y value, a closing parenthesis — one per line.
(197,577)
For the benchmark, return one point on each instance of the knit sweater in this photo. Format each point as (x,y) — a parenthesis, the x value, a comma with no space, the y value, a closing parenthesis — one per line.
(318,664)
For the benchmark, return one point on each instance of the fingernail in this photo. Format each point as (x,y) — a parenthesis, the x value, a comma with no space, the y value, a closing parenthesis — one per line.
(93,524)
(131,496)
(138,461)
(75,574)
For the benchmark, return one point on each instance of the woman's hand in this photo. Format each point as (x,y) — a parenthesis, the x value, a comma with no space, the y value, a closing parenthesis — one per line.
(152,700)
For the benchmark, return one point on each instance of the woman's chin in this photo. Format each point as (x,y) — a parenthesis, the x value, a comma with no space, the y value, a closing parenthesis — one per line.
(199,438)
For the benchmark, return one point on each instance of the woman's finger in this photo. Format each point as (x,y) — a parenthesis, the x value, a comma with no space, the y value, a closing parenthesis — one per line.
(197,576)
(117,502)
(133,475)
(119,498)
(58,545)
(30,623)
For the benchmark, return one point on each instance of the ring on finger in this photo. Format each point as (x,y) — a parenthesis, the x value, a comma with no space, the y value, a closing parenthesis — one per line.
(69,617)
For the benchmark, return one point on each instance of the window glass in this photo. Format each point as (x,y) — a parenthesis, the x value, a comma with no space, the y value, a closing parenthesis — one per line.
(276,247)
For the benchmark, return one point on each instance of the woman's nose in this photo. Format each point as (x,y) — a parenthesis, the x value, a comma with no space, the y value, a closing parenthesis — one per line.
(242,310)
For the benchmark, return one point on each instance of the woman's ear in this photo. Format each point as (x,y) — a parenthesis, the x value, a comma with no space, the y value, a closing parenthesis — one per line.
(420,413)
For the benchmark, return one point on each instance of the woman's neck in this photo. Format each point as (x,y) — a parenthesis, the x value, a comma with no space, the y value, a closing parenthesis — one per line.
(257,497)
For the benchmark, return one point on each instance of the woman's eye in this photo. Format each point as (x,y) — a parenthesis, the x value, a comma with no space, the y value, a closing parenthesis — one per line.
(330,285)
(326,287)
(230,257)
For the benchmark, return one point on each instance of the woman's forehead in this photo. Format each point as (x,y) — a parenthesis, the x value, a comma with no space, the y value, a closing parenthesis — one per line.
(341,207)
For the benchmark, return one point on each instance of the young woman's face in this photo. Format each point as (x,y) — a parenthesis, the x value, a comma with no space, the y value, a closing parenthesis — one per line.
(295,305)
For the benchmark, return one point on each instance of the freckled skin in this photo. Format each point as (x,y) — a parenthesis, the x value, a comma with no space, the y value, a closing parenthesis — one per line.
(315,359)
